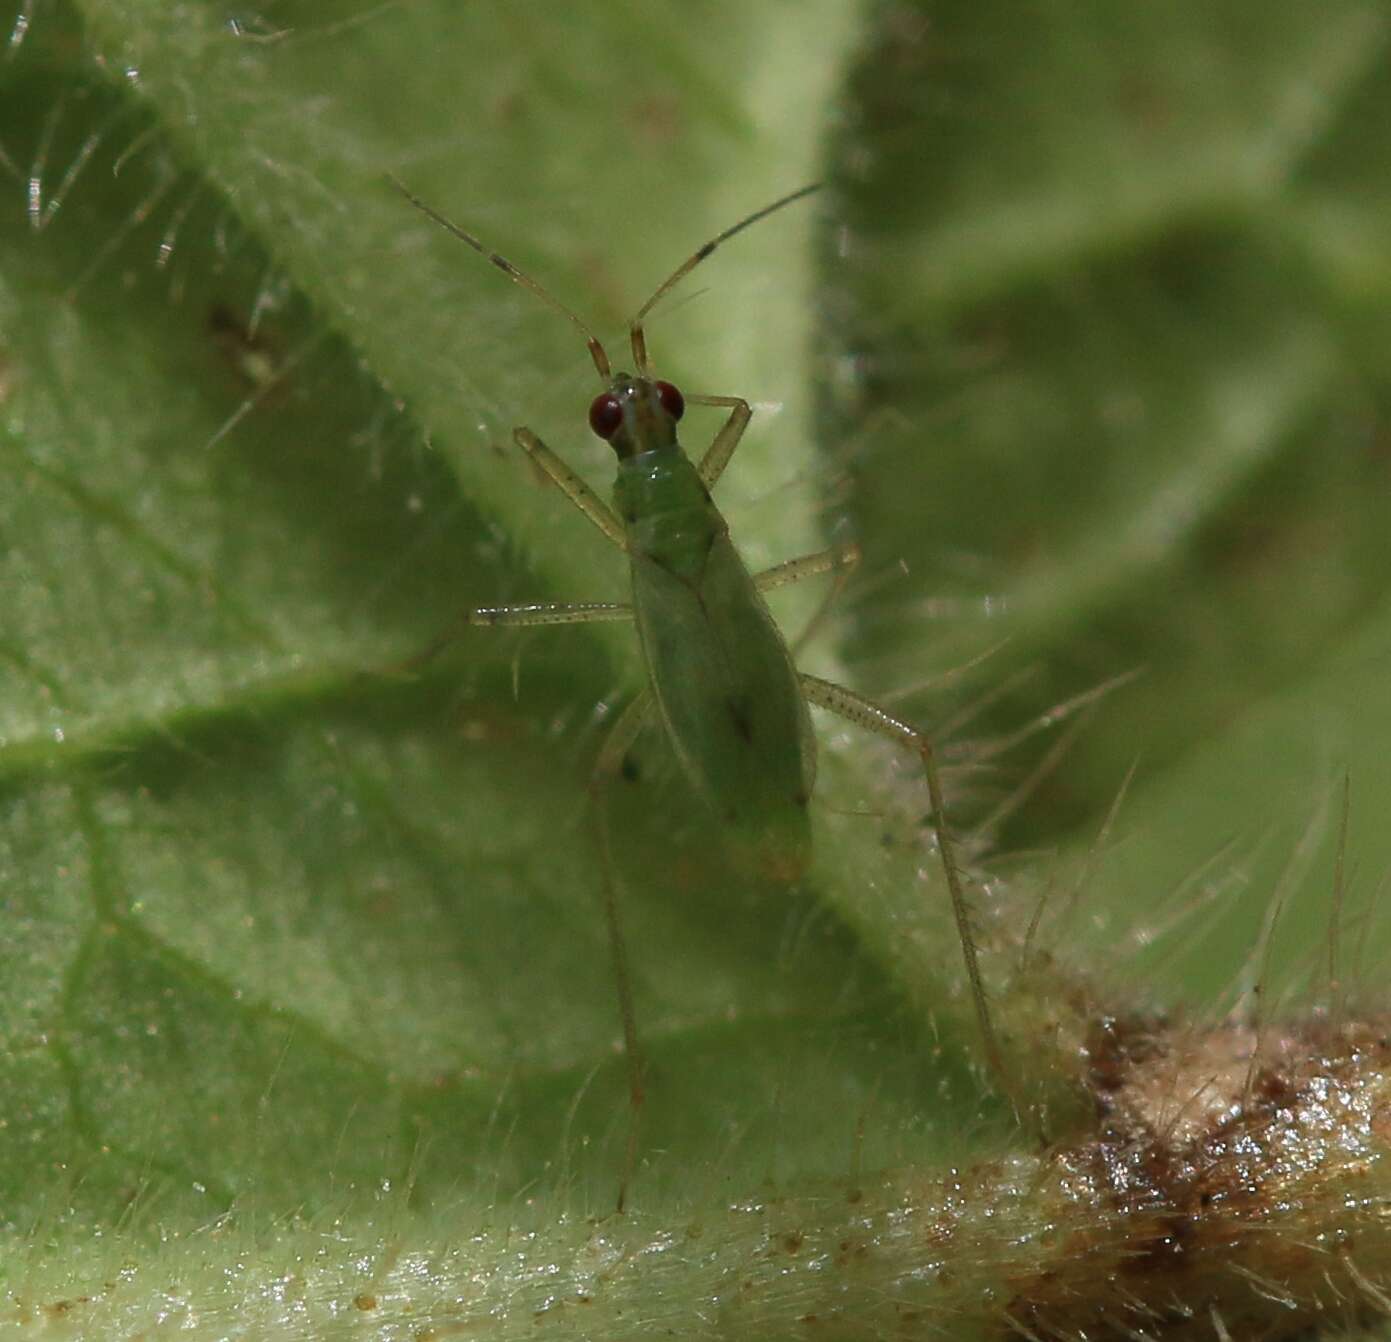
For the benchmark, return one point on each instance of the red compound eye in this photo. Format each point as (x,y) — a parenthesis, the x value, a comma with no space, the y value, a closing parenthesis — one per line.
(605,415)
(672,400)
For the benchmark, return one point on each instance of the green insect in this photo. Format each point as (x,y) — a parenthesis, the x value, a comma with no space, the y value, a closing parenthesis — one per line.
(721,681)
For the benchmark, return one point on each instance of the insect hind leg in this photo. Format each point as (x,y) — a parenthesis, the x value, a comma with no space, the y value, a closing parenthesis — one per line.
(607,767)
(867,714)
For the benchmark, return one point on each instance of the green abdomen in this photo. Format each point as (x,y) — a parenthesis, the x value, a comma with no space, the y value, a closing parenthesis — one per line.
(721,675)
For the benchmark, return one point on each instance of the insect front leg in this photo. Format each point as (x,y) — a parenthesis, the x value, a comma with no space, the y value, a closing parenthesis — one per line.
(717,455)
(537,613)
(867,714)
(575,489)
(606,768)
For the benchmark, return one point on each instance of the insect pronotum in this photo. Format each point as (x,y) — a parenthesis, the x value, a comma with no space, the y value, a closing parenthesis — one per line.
(721,682)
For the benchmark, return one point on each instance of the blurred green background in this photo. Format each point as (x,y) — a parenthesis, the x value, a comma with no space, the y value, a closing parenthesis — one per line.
(1084,342)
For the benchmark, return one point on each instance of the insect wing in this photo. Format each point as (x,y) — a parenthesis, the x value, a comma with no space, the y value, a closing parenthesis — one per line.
(730,702)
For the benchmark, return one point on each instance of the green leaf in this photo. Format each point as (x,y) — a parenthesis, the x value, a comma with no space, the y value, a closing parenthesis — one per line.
(305,967)
(1116,296)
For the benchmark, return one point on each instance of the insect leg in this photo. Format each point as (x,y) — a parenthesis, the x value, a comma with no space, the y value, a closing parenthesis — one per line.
(842,560)
(610,762)
(717,455)
(867,714)
(538,613)
(551,612)
(837,557)
(575,489)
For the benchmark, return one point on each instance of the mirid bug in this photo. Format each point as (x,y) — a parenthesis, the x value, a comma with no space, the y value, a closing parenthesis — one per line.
(721,681)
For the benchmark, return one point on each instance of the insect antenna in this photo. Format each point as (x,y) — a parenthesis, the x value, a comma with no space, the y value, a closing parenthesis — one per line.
(596,350)
(635,330)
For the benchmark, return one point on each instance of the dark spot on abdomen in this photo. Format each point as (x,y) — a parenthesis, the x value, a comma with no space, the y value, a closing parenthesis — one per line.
(738,710)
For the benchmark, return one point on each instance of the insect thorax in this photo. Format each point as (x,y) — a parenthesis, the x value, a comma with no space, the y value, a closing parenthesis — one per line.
(666,509)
